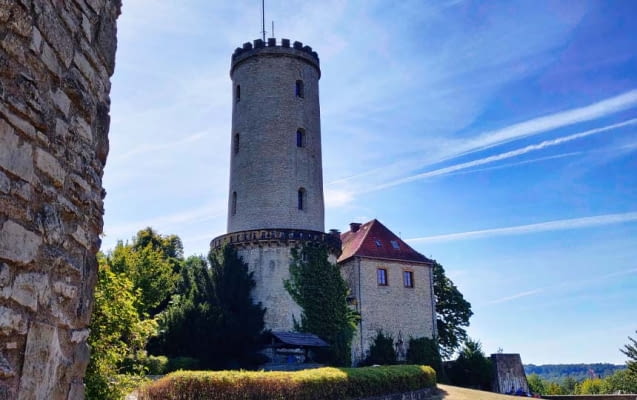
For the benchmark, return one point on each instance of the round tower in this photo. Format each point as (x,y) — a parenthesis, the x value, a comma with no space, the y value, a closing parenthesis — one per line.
(275,201)
(276,176)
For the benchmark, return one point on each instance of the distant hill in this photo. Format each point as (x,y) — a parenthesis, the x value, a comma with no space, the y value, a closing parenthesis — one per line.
(558,372)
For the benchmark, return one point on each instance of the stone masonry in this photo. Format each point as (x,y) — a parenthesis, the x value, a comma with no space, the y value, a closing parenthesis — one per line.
(401,312)
(56,59)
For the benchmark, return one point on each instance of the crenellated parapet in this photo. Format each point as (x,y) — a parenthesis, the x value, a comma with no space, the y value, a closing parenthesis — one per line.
(271,47)
(279,237)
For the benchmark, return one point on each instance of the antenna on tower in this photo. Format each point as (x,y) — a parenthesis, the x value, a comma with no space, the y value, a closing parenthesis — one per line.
(272,29)
(263,18)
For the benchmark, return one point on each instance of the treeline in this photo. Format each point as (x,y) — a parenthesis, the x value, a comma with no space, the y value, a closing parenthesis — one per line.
(157,311)
(578,372)
(621,381)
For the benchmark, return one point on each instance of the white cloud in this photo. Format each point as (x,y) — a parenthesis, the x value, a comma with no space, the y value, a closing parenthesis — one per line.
(558,225)
(502,156)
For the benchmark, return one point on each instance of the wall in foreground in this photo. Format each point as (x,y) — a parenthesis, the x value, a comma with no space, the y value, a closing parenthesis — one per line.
(56,58)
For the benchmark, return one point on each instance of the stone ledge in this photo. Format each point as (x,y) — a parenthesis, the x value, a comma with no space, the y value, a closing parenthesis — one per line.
(275,237)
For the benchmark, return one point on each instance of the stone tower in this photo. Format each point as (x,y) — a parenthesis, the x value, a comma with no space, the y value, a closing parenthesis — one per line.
(275,200)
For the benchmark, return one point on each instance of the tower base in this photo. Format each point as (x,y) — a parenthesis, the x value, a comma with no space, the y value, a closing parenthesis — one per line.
(268,253)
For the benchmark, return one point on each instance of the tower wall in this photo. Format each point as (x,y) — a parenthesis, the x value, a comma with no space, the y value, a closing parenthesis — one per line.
(267,167)
(268,254)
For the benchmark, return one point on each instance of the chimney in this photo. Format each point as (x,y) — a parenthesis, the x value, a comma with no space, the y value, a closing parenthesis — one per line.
(354,226)
(335,232)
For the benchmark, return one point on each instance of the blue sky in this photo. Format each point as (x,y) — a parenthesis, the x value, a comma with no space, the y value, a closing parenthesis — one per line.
(497,137)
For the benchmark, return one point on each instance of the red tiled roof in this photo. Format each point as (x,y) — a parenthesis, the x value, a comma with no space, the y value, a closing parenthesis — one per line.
(374,240)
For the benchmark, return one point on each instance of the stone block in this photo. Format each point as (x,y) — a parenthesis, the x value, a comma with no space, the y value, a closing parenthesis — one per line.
(11,321)
(48,164)
(30,289)
(18,244)
(36,41)
(41,373)
(61,101)
(5,368)
(15,156)
(65,290)
(18,122)
(5,183)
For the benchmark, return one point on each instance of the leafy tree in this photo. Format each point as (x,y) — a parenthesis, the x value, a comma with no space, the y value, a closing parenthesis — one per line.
(213,318)
(624,381)
(117,332)
(536,384)
(424,351)
(592,386)
(152,262)
(319,289)
(630,350)
(472,368)
(452,313)
(381,351)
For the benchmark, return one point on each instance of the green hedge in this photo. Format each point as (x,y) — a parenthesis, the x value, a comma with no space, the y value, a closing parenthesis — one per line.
(313,384)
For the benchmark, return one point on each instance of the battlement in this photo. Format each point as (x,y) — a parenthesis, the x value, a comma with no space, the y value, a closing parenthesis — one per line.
(278,237)
(271,47)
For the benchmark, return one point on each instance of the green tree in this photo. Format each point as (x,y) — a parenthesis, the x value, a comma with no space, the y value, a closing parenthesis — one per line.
(381,351)
(452,313)
(152,262)
(592,386)
(536,384)
(472,369)
(212,318)
(630,350)
(624,381)
(117,332)
(568,385)
(319,289)
(424,351)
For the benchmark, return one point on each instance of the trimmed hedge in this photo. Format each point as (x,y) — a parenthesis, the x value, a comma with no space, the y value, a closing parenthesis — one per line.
(312,384)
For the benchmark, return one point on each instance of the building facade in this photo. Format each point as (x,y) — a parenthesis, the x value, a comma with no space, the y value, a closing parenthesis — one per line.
(275,202)
(391,287)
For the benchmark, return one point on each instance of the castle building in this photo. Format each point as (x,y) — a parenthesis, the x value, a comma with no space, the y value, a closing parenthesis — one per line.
(275,200)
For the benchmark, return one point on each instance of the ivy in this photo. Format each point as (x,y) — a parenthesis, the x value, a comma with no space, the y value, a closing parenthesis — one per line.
(319,289)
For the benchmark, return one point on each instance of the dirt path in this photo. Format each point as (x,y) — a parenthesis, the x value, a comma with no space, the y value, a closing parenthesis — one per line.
(457,393)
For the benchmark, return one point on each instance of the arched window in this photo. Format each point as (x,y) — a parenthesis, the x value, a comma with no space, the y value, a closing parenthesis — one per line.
(301,199)
(234,203)
(236,143)
(237,93)
(300,89)
(300,138)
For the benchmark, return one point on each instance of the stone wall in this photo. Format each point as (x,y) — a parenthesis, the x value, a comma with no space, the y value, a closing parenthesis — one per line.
(394,309)
(56,58)
(508,373)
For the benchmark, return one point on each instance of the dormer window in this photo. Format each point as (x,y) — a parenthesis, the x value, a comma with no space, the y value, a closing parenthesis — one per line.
(300,90)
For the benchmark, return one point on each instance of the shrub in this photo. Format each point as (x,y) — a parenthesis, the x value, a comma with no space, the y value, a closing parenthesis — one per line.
(156,365)
(424,351)
(381,351)
(315,384)
(182,363)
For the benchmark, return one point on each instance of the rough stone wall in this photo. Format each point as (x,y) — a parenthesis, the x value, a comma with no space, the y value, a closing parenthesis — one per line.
(56,58)
(271,267)
(508,373)
(268,169)
(394,309)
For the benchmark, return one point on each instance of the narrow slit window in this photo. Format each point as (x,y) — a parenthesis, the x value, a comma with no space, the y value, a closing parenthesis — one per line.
(237,93)
(234,203)
(408,279)
(300,138)
(236,143)
(381,276)
(301,199)
(300,90)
